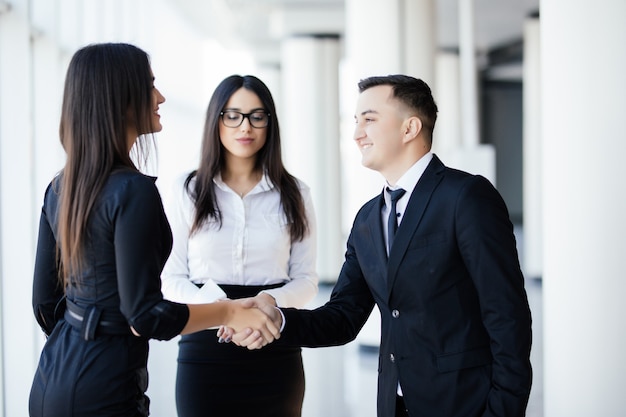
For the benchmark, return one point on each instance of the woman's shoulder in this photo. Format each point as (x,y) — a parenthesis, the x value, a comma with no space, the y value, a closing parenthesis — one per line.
(51,195)
(131,183)
(132,177)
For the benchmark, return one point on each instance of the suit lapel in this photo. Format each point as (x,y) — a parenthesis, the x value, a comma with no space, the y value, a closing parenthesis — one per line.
(375,229)
(413,215)
(370,233)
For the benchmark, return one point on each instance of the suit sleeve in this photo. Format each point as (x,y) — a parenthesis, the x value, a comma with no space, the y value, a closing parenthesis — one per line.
(488,247)
(339,320)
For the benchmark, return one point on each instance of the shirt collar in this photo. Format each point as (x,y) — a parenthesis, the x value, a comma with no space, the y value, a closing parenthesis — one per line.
(409,179)
(264,185)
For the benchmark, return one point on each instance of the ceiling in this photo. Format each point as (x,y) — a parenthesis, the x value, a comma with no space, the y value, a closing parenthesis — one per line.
(259,24)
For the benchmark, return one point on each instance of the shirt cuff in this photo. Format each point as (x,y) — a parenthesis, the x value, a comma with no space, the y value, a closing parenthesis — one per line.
(282,325)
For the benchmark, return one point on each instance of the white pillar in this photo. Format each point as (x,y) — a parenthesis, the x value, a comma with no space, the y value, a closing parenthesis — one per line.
(373,35)
(583,62)
(309,122)
(371,50)
(420,39)
(310,136)
(467,53)
(532,250)
(447,135)
(532,174)
(271,75)
(19,335)
(402,40)
(471,155)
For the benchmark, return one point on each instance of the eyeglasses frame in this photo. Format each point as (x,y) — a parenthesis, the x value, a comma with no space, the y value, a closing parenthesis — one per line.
(246,116)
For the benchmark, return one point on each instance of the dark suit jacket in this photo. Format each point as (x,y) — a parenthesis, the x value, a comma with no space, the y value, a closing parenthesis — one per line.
(456,325)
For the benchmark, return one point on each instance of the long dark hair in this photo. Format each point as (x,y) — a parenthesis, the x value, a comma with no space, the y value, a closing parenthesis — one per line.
(268,159)
(108,87)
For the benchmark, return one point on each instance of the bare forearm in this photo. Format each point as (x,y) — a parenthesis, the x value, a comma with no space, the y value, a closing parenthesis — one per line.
(204,316)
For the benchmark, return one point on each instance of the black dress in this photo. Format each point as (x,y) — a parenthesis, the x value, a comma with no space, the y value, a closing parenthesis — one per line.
(91,364)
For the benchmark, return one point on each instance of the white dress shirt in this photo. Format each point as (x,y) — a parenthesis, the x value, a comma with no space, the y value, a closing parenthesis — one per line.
(253,246)
(407,182)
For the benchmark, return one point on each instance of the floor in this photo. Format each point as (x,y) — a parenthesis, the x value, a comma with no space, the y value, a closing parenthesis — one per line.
(340,381)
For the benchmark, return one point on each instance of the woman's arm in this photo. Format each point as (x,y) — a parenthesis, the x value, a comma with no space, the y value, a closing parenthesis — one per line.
(47,289)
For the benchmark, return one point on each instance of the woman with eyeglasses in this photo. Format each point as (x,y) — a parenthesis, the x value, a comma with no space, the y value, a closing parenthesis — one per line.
(243,227)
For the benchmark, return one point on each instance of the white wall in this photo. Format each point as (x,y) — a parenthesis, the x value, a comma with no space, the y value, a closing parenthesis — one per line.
(583,62)
(17,208)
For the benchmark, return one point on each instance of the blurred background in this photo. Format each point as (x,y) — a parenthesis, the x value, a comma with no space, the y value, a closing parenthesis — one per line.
(531,95)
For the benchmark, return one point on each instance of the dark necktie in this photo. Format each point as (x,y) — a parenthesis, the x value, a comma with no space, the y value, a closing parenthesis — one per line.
(392,220)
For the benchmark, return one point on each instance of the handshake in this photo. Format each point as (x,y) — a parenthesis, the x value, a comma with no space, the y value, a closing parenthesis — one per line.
(255,322)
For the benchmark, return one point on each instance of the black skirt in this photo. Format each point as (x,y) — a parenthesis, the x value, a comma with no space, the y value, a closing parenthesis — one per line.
(222,379)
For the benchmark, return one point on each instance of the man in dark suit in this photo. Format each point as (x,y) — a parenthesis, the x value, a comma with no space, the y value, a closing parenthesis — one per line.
(456,325)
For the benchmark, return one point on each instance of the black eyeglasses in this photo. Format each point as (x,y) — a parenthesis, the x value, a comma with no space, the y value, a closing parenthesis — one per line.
(257,118)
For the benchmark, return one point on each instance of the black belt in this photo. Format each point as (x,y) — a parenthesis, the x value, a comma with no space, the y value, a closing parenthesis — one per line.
(244,291)
(90,321)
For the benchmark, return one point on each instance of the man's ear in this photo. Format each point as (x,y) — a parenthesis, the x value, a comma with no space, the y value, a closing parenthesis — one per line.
(412,128)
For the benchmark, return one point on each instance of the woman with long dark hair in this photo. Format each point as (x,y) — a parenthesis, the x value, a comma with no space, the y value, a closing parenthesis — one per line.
(242,223)
(103,240)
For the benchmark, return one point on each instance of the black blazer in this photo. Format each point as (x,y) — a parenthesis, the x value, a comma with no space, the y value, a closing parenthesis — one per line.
(456,325)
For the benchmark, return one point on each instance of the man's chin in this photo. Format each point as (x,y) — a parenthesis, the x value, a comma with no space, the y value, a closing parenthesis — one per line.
(367,164)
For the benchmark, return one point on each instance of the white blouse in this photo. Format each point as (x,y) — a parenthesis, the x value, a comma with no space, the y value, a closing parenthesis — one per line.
(253,246)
